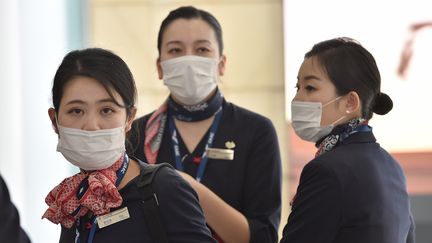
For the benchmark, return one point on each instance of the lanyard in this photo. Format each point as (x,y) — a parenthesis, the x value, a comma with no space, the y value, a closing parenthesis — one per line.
(120,174)
(204,158)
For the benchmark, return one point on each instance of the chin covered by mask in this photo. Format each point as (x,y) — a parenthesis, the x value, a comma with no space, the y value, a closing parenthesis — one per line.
(190,79)
(91,150)
(306,120)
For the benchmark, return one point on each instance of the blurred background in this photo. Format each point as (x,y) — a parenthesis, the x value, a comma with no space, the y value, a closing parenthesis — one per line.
(265,41)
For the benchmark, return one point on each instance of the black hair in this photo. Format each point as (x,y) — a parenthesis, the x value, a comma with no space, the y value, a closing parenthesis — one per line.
(102,65)
(190,12)
(351,67)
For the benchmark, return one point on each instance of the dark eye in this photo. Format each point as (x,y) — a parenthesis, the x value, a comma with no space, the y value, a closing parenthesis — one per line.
(107,111)
(202,49)
(75,111)
(174,50)
(310,88)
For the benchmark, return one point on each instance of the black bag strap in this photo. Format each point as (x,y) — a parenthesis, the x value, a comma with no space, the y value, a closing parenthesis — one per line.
(150,202)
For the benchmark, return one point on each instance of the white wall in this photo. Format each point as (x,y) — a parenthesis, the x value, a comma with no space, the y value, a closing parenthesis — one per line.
(33,42)
(381,27)
(10,99)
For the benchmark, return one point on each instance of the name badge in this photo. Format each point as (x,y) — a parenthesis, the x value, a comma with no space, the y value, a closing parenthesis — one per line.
(113,217)
(215,153)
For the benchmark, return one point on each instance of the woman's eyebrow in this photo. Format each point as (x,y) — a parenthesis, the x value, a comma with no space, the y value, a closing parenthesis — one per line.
(71,102)
(309,77)
(203,41)
(173,42)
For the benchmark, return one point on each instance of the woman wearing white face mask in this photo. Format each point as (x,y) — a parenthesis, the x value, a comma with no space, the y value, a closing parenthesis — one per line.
(353,190)
(229,155)
(94,96)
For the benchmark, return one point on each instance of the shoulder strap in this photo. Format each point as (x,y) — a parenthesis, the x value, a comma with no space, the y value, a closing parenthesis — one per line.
(150,202)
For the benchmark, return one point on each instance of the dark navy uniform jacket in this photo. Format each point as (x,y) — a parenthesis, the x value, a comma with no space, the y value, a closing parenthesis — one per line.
(251,182)
(356,192)
(10,229)
(179,210)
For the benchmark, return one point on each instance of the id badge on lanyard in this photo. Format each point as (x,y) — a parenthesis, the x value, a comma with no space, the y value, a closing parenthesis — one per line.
(204,157)
(120,174)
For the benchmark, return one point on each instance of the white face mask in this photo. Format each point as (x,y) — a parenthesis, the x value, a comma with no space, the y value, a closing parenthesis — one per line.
(190,78)
(306,120)
(91,150)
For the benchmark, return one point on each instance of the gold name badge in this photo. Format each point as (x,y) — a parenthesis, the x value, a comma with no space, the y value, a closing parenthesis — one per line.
(113,217)
(226,154)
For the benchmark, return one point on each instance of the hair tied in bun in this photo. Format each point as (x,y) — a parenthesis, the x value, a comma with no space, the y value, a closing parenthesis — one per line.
(383,104)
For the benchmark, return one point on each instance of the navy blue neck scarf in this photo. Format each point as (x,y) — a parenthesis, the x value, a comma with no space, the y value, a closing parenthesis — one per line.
(340,133)
(196,112)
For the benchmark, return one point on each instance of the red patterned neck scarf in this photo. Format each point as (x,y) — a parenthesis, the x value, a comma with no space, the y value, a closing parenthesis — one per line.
(154,132)
(99,197)
(155,125)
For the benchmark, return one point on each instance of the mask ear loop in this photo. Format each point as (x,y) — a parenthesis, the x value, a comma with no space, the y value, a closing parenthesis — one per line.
(127,117)
(56,127)
(342,117)
(56,118)
(219,78)
(331,101)
(125,125)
